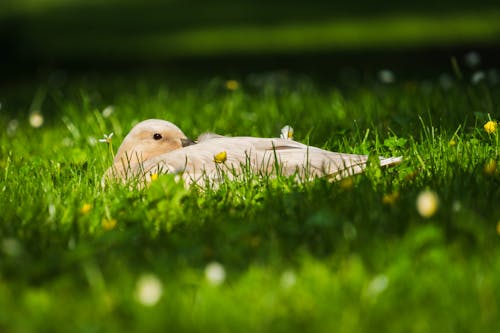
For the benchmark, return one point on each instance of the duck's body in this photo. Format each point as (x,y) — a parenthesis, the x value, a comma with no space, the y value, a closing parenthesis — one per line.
(214,157)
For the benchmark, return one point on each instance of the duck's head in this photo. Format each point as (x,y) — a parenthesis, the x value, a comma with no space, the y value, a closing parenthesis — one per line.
(150,138)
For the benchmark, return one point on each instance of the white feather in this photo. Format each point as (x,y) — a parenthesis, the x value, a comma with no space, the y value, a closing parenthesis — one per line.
(262,156)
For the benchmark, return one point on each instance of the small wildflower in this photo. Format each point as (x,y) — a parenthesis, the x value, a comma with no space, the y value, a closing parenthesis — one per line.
(288,279)
(446,81)
(490,167)
(107,138)
(220,157)
(377,285)
(11,247)
(477,77)
(148,290)
(92,141)
(232,85)
(498,228)
(71,243)
(215,273)
(287,132)
(67,142)
(472,59)
(36,119)
(427,203)
(154,177)
(412,175)
(108,111)
(386,76)
(52,211)
(347,183)
(390,198)
(490,127)
(457,206)
(12,127)
(85,208)
(108,224)
(254,241)
(452,143)
(350,232)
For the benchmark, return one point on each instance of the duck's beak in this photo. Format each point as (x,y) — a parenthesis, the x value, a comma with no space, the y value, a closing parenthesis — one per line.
(187,142)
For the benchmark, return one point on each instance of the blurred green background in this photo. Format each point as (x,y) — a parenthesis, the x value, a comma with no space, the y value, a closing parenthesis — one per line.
(112,33)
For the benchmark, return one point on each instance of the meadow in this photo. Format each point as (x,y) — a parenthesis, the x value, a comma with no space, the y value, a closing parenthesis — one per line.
(410,248)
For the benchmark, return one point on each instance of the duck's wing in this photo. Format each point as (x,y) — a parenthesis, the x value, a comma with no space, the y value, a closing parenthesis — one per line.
(267,156)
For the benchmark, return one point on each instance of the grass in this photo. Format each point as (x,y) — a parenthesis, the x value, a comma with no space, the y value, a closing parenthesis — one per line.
(258,254)
(81,32)
(388,32)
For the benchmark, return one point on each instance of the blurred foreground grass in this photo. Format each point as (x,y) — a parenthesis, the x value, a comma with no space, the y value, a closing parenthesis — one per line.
(255,255)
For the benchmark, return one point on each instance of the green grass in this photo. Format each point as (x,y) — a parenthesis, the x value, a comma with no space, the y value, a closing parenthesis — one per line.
(110,31)
(316,256)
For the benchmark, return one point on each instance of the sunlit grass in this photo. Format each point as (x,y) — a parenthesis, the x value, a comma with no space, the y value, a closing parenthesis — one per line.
(386,250)
(387,32)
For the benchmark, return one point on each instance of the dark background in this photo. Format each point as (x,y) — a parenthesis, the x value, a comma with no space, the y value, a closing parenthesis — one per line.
(39,36)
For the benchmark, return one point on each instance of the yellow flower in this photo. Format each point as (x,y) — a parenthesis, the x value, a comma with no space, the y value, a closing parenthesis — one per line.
(427,203)
(346,183)
(232,85)
(452,143)
(498,227)
(490,167)
(390,198)
(108,224)
(154,177)
(85,208)
(220,157)
(490,127)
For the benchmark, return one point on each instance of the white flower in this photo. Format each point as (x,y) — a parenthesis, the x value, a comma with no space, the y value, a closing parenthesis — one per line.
(92,141)
(52,211)
(477,77)
(446,81)
(427,203)
(108,111)
(377,285)
(36,119)
(107,138)
(287,132)
(12,127)
(215,273)
(67,142)
(288,279)
(472,59)
(148,290)
(386,76)
(350,231)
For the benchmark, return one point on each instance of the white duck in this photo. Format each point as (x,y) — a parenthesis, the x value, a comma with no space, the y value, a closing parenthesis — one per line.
(157,146)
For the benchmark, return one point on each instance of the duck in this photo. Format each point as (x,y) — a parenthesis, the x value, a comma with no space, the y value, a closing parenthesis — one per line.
(156,146)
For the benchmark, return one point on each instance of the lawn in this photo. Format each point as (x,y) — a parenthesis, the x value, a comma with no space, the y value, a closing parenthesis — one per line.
(257,254)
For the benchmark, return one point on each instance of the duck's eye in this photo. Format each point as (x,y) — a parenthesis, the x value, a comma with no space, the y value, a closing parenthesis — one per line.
(157,136)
